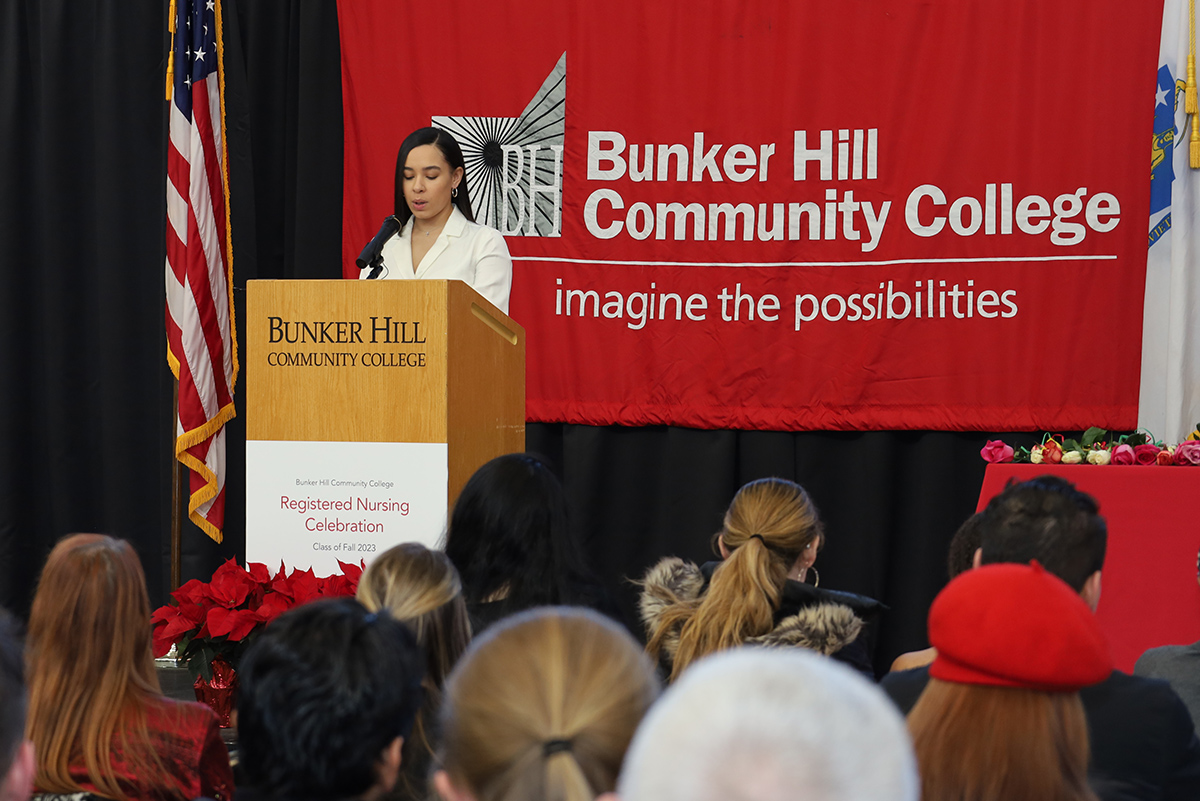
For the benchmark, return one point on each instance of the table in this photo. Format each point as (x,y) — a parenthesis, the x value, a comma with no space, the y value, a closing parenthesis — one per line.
(1149,592)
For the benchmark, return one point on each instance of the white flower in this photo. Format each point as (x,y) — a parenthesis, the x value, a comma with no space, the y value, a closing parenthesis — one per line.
(1072,457)
(1099,457)
(1035,455)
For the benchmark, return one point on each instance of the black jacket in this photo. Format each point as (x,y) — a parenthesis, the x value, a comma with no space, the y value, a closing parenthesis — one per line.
(1143,745)
(826,621)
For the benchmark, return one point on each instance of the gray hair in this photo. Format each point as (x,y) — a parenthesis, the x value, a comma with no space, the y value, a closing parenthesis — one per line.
(756,724)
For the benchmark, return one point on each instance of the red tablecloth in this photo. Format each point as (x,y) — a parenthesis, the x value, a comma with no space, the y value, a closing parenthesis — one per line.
(1149,595)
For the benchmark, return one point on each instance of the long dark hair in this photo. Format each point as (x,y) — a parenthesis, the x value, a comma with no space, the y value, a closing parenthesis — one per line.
(454,157)
(510,536)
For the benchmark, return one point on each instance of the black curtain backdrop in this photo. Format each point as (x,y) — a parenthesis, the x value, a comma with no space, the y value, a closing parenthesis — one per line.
(85,393)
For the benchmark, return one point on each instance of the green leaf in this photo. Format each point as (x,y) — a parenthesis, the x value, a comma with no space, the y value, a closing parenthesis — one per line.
(1093,435)
(207,653)
(1071,445)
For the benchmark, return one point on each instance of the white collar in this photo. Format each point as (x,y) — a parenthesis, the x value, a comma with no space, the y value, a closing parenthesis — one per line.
(455,225)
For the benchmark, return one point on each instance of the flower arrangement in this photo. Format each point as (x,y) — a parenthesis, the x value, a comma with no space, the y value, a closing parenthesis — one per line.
(1098,447)
(220,618)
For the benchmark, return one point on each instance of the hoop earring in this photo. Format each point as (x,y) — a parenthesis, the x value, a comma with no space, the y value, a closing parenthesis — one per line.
(454,191)
(816,577)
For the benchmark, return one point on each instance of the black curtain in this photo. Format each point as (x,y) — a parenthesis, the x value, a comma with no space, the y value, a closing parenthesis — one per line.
(85,394)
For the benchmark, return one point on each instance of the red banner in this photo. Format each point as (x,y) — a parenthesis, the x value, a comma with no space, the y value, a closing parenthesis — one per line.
(789,215)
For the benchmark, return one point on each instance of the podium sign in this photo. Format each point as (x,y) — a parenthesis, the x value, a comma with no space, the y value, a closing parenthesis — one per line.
(369,404)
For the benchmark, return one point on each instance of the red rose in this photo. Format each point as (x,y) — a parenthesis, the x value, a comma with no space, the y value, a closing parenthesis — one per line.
(1146,454)
(1165,457)
(1122,454)
(996,451)
(1188,452)
(1052,452)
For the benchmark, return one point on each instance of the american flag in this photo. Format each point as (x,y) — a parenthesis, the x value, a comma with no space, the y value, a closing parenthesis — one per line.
(201,344)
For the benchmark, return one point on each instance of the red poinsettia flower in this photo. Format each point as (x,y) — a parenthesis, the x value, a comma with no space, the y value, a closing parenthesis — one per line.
(273,605)
(231,584)
(336,586)
(260,573)
(305,586)
(194,592)
(233,624)
(352,571)
(172,622)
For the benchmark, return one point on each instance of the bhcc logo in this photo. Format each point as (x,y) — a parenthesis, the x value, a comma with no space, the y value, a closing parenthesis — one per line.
(515,163)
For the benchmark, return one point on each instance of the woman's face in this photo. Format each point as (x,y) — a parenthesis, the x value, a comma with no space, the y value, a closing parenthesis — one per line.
(428,181)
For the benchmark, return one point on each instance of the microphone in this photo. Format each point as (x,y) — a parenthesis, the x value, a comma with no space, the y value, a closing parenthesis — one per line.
(372,254)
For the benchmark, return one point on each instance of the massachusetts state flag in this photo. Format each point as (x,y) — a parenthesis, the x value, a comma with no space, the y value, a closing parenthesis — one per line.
(1169,402)
(201,345)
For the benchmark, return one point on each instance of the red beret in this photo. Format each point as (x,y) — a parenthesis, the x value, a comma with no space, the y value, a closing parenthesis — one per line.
(1010,625)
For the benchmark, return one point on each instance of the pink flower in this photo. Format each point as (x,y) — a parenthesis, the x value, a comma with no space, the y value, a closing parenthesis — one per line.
(1122,454)
(1146,454)
(996,451)
(1188,452)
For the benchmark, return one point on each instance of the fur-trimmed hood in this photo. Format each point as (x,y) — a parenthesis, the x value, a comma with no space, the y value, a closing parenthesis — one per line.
(822,625)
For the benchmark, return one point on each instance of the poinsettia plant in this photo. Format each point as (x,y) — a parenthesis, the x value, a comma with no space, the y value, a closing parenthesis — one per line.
(222,617)
(1100,447)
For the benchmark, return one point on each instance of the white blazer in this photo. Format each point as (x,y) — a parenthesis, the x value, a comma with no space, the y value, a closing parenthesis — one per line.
(463,250)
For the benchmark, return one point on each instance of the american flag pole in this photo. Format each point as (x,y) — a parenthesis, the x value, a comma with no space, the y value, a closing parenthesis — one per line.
(201,340)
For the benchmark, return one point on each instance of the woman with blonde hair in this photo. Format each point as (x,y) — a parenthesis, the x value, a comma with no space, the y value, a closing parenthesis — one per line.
(542,707)
(757,594)
(97,718)
(1001,716)
(420,588)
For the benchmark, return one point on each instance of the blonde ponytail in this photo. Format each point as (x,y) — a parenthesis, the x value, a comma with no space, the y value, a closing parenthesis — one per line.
(769,523)
(543,706)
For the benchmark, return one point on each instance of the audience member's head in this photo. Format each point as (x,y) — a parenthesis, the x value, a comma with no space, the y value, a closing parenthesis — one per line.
(16,753)
(421,589)
(90,666)
(542,707)
(1047,519)
(327,694)
(511,539)
(1001,716)
(964,544)
(770,528)
(759,724)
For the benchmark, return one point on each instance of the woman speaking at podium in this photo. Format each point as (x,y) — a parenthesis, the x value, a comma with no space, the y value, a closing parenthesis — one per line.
(437,235)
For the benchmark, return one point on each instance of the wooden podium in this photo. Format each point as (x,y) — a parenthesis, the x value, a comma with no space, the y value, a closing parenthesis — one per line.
(368,406)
